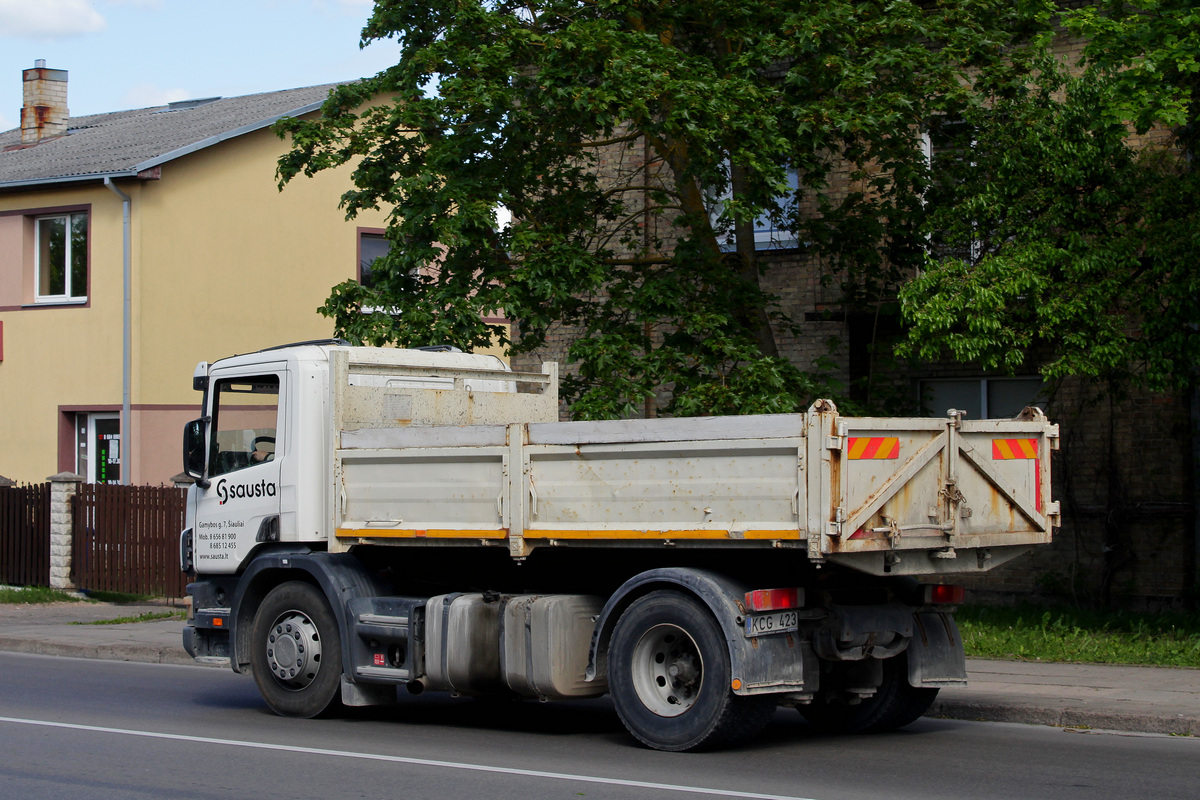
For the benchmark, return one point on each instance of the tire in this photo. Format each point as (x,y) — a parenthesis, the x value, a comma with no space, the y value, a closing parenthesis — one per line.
(895,704)
(296,652)
(669,674)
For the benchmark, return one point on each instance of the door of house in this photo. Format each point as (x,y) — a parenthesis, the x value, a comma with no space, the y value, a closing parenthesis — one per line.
(98,452)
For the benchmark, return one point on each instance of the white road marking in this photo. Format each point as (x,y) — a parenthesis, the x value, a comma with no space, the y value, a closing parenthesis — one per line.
(421,762)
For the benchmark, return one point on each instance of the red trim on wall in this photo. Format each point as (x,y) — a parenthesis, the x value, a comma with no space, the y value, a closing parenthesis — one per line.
(66,438)
(166,406)
(37,212)
(108,408)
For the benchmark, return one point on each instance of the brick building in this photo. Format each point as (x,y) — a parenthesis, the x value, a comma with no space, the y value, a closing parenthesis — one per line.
(1124,476)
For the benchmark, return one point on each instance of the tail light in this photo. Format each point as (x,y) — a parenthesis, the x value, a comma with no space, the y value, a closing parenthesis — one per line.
(774,599)
(944,594)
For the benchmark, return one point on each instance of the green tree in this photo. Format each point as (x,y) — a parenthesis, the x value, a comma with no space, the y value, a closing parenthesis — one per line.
(1083,242)
(608,128)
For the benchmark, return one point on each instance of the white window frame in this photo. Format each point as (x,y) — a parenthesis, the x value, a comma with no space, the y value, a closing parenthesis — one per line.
(67,217)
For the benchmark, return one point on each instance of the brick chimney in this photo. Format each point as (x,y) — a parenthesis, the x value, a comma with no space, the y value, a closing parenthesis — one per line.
(44,113)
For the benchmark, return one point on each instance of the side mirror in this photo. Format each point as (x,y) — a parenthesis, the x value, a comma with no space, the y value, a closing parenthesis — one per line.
(194,451)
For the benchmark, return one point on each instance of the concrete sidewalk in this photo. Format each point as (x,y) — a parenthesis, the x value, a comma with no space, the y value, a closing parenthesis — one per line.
(66,629)
(1106,697)
(1141,699)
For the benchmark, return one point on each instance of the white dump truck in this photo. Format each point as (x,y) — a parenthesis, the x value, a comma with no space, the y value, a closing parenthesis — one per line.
(368,519)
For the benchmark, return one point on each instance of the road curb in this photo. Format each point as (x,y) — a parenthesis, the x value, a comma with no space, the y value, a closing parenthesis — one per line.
(115,652)
(1024,714)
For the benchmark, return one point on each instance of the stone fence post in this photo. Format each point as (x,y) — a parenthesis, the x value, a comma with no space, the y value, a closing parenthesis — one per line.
(63,487)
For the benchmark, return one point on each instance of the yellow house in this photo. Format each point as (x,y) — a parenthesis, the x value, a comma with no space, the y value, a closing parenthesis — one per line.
(137,243)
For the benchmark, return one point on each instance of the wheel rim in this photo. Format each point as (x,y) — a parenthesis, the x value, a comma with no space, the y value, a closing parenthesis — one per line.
(667,670)
(293,650)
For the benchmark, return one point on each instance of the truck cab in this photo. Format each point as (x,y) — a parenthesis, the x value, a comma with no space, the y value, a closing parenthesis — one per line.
(257,454)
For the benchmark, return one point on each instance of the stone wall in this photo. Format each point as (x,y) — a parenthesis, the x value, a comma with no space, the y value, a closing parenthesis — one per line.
(63,487)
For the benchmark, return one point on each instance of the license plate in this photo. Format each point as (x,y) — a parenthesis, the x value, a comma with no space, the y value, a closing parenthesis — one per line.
(779,622)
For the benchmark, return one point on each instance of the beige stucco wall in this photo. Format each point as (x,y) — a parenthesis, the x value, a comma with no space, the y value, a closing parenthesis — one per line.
(223,263)
(59,355)
(230,264)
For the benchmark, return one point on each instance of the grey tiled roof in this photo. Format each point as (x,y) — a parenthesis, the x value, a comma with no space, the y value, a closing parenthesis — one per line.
(123,143)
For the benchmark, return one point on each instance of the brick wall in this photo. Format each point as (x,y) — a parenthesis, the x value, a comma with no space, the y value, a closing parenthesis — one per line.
(1122,478)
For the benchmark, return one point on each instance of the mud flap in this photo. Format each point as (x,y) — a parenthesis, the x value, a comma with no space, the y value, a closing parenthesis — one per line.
(359,695)
(935,652)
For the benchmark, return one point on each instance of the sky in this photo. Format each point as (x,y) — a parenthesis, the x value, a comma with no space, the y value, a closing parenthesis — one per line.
(123,54)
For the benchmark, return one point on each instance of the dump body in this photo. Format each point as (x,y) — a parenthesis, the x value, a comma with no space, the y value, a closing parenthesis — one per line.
(884,496)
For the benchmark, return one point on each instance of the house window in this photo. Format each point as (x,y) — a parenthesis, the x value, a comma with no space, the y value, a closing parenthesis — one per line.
(61,257)
(980,398)
(98,447)
(371,246)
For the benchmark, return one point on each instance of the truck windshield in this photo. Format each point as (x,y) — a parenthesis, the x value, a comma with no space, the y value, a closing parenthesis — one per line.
(245,418)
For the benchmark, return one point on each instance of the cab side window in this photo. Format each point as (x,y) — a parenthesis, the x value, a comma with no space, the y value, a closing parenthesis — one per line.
(245,419)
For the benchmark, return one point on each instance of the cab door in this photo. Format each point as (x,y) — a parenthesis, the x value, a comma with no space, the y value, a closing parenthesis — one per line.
(240,506)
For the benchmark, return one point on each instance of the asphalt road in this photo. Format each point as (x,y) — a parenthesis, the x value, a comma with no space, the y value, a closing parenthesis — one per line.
(107,729)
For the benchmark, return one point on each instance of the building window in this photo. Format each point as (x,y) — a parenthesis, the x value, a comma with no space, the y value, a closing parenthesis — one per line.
(980,398)
(949,146)
(61,257)
(371,246)
(98,447)
(769,233)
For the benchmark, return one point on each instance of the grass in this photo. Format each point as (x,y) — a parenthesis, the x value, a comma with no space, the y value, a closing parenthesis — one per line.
(40,594)
(149,616)
(34,594)
(1037,633)
(117,597)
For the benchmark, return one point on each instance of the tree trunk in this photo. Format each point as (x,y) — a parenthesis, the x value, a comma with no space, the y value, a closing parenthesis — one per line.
(756,320)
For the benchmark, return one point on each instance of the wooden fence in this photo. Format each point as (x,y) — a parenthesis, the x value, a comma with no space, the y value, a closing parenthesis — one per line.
(126,539)
(25,535)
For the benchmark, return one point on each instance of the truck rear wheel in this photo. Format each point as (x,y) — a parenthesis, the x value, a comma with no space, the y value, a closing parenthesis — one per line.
(669,675)
(896,703)
(296,653)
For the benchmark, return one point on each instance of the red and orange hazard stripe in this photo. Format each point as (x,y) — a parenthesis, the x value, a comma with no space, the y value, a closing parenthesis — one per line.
(871,447)
(1005,449)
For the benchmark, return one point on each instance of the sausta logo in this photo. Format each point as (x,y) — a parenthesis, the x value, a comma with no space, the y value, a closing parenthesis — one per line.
(227,491)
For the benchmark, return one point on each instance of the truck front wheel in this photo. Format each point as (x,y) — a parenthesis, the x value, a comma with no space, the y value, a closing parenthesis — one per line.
(296,653)
(669,674)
